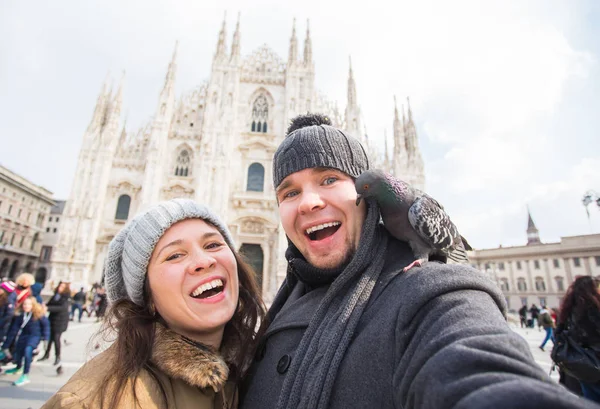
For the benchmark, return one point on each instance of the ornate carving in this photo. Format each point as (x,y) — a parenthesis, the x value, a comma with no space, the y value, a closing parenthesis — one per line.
(251,226)
(176,191)
(263,66)
(124,187)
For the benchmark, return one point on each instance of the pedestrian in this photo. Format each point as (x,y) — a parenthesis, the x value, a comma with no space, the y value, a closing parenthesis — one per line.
(36,291)
(78,301)
(350,329)
(26,331)
(534,311)
(24,282)
(580,315)
(102,303)
(546,321)
(523,316)
(58,307)
(184,308)
(8,300)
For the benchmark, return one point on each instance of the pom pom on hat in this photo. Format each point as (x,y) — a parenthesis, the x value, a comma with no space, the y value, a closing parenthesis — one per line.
(312,142)
(8,286)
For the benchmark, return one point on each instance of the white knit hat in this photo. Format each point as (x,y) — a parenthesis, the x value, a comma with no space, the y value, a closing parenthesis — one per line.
(130,250)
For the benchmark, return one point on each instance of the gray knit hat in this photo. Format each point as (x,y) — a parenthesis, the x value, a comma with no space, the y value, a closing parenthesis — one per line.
(312,142)
(129,252)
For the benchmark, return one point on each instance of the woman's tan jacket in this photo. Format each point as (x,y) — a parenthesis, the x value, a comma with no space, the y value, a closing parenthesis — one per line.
(191,375)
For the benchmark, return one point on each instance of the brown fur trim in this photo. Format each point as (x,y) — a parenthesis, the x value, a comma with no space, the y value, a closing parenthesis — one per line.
(196,364)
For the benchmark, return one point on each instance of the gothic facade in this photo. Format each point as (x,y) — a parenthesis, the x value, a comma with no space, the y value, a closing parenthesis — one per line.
(215,145)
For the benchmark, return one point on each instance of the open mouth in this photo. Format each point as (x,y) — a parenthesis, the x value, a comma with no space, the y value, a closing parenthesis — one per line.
(208,290)
(322,231)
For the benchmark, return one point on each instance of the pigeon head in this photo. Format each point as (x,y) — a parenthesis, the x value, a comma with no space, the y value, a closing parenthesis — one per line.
(370,183)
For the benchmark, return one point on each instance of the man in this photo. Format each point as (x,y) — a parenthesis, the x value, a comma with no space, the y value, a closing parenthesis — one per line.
(78,301)
(534,311)
(349,329)
(523,316)
(546,321)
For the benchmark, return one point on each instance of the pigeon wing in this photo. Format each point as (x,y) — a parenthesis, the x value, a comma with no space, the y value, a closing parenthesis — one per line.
(434,226)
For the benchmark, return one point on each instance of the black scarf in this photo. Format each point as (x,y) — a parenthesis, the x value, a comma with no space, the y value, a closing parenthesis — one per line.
(310,379)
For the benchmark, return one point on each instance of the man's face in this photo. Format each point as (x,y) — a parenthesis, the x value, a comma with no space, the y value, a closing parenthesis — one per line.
(318,212)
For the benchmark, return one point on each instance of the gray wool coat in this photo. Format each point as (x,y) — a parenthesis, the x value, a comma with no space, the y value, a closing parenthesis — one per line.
(434,337)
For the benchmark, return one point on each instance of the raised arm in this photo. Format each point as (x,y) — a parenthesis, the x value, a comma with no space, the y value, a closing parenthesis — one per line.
(457,351)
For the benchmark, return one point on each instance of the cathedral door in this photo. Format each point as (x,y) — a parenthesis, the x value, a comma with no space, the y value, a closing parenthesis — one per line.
(254,256)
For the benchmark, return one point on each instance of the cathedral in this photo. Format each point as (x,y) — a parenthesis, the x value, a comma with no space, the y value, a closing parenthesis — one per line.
(214,144)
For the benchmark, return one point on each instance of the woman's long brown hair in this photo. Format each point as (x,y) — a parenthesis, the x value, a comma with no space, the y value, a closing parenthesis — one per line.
(135,325)
(581,296)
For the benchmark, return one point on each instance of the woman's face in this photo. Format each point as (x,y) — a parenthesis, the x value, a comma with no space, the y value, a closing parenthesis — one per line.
(27,305)
(194,280)
(61,287)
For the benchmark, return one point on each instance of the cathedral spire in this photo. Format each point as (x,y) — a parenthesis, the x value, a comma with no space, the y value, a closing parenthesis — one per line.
(171,71)
(99,115)
(409,110)
(307,45)
(222,43)
(351,86)
(117,102)
(386,153)
(293,54)
(235,45)
(396,117)
(533,235)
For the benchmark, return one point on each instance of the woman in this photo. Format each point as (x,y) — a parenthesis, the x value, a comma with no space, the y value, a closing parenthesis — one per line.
(58,307)
(8,299)
(184,308)
(27,330)
(580,313)
(24,282)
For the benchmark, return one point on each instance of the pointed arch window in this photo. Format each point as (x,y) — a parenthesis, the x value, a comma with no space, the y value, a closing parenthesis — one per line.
(260,114)
(256,178)
(123,207)
(183,163)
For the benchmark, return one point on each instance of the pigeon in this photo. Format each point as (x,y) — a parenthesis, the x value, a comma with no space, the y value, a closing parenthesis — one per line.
(413,216)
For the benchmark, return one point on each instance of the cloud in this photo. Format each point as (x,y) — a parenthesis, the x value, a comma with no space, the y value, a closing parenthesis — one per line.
(504,93)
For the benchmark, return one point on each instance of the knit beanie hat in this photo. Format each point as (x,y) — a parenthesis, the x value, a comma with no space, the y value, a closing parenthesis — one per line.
(8,286)
(313,142)
(130,250)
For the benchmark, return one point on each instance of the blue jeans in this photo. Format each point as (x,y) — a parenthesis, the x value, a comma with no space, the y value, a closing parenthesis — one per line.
(76,306)
(26,353)
(548,336)
(590,391)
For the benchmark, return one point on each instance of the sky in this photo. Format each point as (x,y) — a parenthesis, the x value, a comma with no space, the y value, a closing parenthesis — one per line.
(505,94)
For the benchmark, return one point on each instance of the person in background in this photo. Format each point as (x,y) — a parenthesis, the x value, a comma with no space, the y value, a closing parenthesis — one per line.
(58,307)
(102,303)
(580,314)
(27,330)
(36,291)
(78,301)
(523,316)
(546,321)
(24,282)
(184,308)
(534,311)
(8,300)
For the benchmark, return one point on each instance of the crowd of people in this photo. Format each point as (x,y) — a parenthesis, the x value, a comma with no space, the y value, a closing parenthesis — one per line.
(29,326)
(350,327)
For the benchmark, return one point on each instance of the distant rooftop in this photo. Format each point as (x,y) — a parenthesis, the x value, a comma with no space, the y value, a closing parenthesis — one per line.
(58,207)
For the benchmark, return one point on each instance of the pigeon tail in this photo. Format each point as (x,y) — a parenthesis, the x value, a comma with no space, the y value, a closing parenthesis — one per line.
(459,254)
